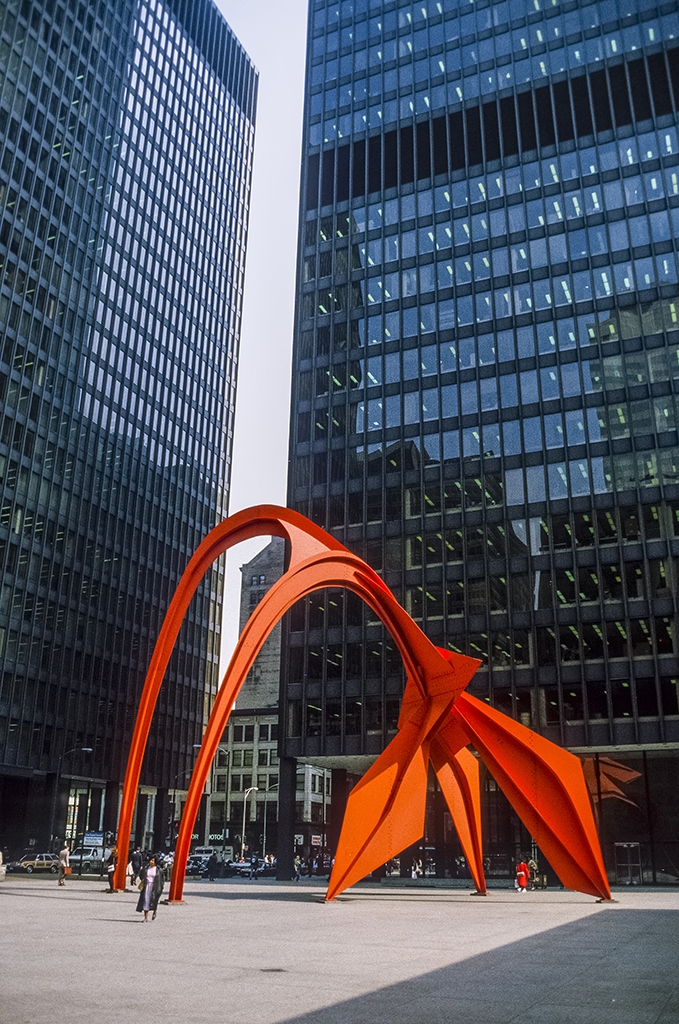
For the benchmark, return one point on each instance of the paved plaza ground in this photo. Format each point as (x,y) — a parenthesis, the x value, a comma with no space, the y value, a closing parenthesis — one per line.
(265,952)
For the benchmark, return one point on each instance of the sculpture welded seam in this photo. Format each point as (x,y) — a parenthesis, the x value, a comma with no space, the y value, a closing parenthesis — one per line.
(385,811)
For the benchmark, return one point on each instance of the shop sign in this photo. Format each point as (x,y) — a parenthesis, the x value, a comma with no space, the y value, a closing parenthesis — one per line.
(299,840)
(316,840)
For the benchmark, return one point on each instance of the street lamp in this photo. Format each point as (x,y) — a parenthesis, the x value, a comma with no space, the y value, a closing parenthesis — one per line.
(82,750)
(179,775)
(252,789)
(224,751)
(270,790)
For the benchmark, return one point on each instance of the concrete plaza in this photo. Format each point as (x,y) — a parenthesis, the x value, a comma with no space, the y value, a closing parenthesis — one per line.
(241,952)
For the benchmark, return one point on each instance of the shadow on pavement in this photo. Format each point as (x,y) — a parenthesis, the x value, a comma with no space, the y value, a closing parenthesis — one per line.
(613,967)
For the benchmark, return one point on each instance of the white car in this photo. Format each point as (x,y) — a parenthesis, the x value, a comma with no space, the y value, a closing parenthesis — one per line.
(87,859)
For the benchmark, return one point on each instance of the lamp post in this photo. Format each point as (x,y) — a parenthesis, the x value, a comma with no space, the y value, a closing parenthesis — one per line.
(270,790)
(83,750)
(179,775)
(252,789)
(223,750)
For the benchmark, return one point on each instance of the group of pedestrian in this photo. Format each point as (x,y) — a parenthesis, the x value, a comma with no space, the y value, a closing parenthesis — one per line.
(311,865)
(526,875)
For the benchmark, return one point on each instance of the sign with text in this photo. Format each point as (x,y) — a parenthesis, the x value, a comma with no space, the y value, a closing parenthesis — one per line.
(316,840)
(299,840)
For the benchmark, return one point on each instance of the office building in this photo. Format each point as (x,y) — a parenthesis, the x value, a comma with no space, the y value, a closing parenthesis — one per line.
(485,384)
(127,135)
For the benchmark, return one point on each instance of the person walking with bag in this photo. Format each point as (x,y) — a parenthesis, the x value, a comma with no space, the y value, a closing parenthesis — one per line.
(64,868)
(522,876)
(111,867)
(151,882)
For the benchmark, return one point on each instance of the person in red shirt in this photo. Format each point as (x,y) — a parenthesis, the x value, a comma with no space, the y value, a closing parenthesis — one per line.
(522,876)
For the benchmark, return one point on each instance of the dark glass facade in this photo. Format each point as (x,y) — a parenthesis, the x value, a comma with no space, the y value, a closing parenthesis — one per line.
(126,132)
(486,375)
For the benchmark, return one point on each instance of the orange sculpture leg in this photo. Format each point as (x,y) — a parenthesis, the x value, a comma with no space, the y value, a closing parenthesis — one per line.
(385,812)
(546,787)
(458,775)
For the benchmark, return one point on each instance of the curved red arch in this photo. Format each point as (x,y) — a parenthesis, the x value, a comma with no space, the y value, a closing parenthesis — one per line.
(260,521)
(385,811)
(424,664)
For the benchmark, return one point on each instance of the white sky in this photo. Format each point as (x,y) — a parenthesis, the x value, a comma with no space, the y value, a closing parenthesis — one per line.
(274,34)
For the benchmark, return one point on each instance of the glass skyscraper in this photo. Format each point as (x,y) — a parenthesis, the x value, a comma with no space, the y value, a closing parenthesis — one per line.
(126,133)
(486,371)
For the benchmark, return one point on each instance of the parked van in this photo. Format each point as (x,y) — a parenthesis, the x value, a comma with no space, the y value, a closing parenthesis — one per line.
(203,853)
(87,859)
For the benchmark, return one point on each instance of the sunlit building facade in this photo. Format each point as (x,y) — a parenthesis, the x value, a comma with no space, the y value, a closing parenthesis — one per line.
(485,382)
(127,134)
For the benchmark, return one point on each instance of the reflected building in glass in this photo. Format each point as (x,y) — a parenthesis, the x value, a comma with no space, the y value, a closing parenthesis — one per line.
(485,381)
(126,132)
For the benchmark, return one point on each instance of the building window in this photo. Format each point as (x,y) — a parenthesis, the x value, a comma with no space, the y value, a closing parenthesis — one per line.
(317,813)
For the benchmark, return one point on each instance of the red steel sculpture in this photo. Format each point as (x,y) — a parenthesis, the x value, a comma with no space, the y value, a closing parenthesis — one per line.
(438,722)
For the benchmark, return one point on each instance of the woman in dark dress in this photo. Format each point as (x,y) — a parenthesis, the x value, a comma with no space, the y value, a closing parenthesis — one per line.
(151,882)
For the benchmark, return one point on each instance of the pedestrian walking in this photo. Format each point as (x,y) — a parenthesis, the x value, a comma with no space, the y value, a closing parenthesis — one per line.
(212,868)
(111,867)
(64,863)
(254,865)
(136,862)
(533,869)
(522,876)
(151,882)
(298,868)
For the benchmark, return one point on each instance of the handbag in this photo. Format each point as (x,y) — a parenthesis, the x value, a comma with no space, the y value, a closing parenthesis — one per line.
(141,886)
(68,871)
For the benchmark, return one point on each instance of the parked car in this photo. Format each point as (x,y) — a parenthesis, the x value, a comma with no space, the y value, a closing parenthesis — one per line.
(242,868)
(31,862)
(196,867)
(88,858)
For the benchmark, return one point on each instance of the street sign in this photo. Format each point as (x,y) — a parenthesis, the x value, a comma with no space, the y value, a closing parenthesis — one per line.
(299,840)
(316,841)
(93,839)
